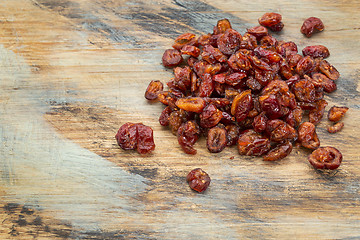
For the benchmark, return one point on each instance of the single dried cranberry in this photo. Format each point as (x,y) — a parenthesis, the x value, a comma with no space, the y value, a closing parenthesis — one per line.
(232,135)
(259,123)
(270,19)
(279,152)
(190,50)
(336,127)
(305,65)
(329,70)
(152,91)
(278,130)
(210,116)
(187,135)
(308,136)
(221,26)
(184,39)
(164,116)
(241,105)
(171,58)
(198,180)
(335,113)
(325,158)
(145,140)
(216,139)
(316,114)
(258,32)
(316,51)
(229,41)
(304,91)
(251,143)
(320,80)
(126,136)
(311,25)
(277,27)
(206,86)
(191,104)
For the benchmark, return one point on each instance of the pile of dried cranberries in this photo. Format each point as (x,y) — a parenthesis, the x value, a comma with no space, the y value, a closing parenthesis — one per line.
(249,90)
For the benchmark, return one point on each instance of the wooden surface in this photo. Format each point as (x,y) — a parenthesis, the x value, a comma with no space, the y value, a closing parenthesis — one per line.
(72,72)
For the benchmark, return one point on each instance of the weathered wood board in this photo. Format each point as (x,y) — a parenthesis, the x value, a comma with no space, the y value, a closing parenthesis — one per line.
(72,72)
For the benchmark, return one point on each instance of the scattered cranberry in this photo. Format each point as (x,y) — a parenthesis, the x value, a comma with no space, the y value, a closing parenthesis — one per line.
(198,180)
(325,158)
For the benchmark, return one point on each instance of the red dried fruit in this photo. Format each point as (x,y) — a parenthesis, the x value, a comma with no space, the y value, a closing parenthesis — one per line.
(279,152)
(316,114)
(335,113)
(325,158)
(272,21)
(191,104)
(190,50)
(251,143)
(206,86)
(316,51)
(164,116)
(152,91)
(241,105)
(279,131)
(198,180)
(336,127)
(260,122)
(304,91)
(258,32)
(312,25)
(308,136)
(216,139)
(221,26)
(229,42)
(329,70)
(171,58)
(177,118)
(187,135)
(305,65)
(232,135)
(210,116)
(184,39)
(135,136)
(320,80)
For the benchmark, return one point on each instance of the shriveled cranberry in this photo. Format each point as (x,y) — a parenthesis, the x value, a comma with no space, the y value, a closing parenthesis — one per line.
(325,158)
(184,39)
(206,86)
(316,51)
(305,65)
(187,135)
(271,106)
(320,80)
(316,114)
(278,130)
(177,118)
(136,136)
(277,27)
(153,90)
(164,116)
(190,50)
(308,136)
(145,140)
(312,25)
(259,123)
(279,152)
(198,180)
(294,117)
(251,143)
(232,134)
(191,104)
(335,113)
(336,127)
(215,53)
(210,116)
(304,91)
(258,32)
(329,70)
(248,41)
(271,56)
(287,48)
(241,105)
(229,41)
(216,139)
(270,19)
(171,58)
(221,26)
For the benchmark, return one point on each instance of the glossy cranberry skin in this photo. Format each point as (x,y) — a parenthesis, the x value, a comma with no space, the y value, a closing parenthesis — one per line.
(198,180)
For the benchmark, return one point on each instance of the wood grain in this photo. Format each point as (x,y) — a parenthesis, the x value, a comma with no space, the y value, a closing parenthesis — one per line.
(71,72)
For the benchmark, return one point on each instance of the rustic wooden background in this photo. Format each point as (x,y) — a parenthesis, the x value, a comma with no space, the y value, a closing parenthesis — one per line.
(73,71)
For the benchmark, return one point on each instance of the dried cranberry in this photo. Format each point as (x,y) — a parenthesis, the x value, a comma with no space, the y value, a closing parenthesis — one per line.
(216,139)
(279,152)
(316,51)
(325,158)
(311,25)
(171,58)
(308,136)
(251,143)
(187,135)
(198,180)
(337,113)
(336,127)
